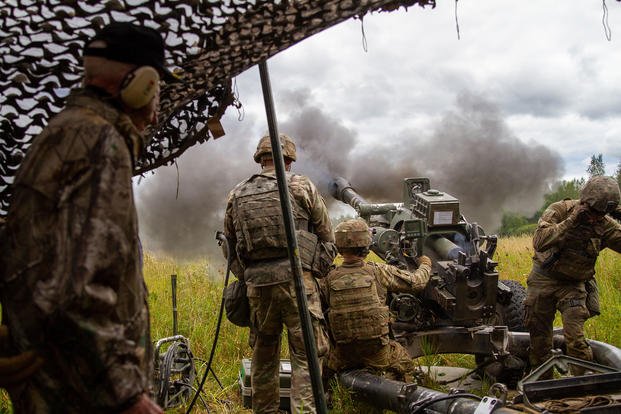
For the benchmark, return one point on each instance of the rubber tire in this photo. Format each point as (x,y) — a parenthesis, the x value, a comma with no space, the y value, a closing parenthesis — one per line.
(512,314)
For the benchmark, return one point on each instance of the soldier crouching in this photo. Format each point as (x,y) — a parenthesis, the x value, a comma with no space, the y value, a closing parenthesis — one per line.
(358,316)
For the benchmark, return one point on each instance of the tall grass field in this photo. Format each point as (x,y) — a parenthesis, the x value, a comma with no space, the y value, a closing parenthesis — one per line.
(199,292)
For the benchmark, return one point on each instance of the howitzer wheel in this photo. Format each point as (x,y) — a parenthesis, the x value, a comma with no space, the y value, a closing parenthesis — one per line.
(512,313)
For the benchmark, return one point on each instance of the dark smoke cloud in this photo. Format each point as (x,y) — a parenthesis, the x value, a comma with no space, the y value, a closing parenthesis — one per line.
(184,226)
(324,144)
(474,156)
(471,154)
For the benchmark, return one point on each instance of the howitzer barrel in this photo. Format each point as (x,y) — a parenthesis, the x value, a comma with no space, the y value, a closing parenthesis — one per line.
(343,191)
(406,398)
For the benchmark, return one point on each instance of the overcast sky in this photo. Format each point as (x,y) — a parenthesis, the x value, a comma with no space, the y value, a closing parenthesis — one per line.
(526,95)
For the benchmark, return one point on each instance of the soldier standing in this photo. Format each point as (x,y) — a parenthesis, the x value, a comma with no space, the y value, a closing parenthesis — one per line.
(255,231)
(72,286)
(358,316)
(567,242)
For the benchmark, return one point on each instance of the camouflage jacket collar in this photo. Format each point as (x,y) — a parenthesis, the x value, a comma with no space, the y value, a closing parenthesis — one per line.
(103,105)
(356,263)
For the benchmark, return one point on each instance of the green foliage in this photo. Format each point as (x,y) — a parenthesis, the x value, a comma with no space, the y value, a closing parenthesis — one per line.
(618,173)
(514,224)
(597,166)
(511,222)
(566,189)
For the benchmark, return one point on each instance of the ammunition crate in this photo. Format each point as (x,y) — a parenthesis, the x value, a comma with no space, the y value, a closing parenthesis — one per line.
(245,383)
(440,209)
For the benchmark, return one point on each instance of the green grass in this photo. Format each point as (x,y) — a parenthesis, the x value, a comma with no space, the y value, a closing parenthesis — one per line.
(199,291)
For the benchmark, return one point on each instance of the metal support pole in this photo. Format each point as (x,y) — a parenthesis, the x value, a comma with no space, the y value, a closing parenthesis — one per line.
(173,282)
(294,254)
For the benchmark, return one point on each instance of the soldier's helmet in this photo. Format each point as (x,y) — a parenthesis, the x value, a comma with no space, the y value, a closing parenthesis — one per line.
(265,147)
(352,233)
(601,193)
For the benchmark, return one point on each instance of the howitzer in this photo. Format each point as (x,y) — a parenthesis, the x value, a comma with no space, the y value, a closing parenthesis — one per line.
(464,289)
(464,309)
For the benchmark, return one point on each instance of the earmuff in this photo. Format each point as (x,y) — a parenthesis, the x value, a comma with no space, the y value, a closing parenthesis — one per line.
(139,86)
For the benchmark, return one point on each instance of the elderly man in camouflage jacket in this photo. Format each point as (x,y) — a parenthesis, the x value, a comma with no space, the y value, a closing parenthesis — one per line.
(254,228)
(357,312)
(567,242)
(72,286)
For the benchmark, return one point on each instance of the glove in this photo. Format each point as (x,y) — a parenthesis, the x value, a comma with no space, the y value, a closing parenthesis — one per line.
(616,214)
(424,260)
(580,213)
(17,368)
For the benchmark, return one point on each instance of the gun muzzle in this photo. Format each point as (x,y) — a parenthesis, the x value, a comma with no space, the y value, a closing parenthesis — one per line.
(343,191)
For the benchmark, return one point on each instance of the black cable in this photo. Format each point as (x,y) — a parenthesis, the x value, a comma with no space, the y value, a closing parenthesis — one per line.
(467,374)
(202,400)
(216,378)
(212,372)
(607,30)
(457,22)
(443,398)
(220,313)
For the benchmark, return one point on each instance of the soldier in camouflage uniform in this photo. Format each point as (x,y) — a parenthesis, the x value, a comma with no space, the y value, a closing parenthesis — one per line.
(255,230)
(568,239)
(358,316)
(72,288)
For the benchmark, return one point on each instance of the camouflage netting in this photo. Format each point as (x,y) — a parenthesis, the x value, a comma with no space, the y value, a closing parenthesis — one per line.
(209,42)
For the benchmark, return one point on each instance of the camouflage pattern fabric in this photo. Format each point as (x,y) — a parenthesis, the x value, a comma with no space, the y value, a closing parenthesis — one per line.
(565,253)
(271,294)
(308,201)
(544,297)
(71,282)
(271,307)
(259,226)
(386,358)
(372,351)
(212,42)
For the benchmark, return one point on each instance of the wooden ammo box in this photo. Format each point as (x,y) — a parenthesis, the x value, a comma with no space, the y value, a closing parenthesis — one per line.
(245,383)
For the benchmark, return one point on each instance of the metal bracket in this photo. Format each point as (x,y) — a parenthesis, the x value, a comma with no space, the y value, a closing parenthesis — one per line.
(487,405)
(601,379)
(562,363)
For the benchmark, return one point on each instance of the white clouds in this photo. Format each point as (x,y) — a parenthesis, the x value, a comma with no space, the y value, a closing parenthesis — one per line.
(547,65)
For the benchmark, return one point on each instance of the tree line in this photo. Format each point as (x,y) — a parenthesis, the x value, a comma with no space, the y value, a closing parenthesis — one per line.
(515,224)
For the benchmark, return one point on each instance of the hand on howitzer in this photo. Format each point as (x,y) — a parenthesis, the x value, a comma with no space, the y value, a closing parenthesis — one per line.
(16,368)
(144,405)
(423,260)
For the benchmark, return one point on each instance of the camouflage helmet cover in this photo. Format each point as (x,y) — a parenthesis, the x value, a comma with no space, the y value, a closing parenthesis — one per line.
(601,193)
(265,147)
(352,233)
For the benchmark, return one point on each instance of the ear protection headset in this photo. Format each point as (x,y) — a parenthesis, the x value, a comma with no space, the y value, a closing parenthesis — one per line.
(139,86)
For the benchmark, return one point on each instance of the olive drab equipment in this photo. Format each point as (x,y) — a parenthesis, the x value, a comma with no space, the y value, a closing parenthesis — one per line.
(356,311)
(236,303)
(592,299)
(265,148)
(601,193)
(259,226)
(352,233)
